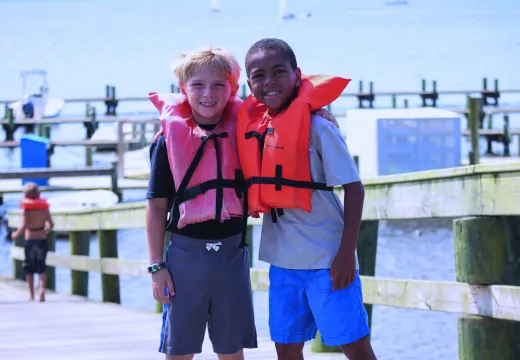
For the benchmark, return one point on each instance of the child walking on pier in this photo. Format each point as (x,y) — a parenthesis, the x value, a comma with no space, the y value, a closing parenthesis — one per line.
(291,161)
(36,224)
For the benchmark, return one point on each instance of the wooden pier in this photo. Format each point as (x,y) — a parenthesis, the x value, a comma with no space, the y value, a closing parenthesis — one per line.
(485,200)
(69,327)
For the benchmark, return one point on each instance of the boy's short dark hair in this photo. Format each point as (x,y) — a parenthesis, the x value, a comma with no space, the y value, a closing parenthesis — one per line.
(276,45)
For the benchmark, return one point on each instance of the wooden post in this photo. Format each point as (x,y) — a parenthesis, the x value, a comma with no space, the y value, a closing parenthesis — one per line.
(107,240)
(434,93)
(167,235)
(475,106)
(371,92)
(47,131)
(423,90)
(356,161)
(88,155)
(51,270)
(249,242)
(244,90)
(487,251)
(506,136)
(394,101)
(318,346)
(79,245)
(120,148)
(366,252)
(9,130)
(114,187)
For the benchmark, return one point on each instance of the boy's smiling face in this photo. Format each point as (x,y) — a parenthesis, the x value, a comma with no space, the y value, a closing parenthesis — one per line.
(208,92)
(272,80)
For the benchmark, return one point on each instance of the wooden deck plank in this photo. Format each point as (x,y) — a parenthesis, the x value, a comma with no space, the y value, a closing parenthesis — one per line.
(71,327)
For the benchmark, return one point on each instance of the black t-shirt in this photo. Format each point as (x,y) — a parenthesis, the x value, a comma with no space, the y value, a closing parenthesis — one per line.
(161,185)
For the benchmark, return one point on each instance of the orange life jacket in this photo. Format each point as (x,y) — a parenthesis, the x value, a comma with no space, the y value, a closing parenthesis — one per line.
(274,151)
(205,167)
(34,204)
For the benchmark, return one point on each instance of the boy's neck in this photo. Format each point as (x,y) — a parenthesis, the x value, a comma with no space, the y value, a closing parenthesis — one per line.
(206,121)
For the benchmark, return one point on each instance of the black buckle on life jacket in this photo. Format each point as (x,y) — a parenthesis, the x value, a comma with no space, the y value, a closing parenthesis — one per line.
(279,181)
(260,137)
(184,193)
(181,191)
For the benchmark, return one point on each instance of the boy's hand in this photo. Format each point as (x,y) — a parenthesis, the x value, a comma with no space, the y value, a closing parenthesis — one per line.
(327,115)
(162,286)
(343,270)
(159,133)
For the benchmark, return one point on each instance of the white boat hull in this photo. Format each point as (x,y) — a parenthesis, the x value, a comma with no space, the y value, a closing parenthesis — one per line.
(52,108)
(83,200)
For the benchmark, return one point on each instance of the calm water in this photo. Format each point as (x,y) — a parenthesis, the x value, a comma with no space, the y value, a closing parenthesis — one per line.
(85,45)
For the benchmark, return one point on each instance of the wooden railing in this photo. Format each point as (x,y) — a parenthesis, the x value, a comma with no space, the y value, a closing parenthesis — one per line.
(484,198)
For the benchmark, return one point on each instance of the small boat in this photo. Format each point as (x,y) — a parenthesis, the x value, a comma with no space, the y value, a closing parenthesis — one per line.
(83,200)
(37,105)
(396,2)
(284,15)
(214,5)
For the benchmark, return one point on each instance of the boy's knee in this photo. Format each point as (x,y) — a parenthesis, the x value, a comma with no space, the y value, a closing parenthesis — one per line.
(289,351)
(359,350)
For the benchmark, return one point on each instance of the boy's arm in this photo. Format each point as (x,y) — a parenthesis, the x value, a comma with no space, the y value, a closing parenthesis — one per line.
(354,196)
(22,228)
(49,224)
(160,188)
(339,169)
(156,210)
(343,270)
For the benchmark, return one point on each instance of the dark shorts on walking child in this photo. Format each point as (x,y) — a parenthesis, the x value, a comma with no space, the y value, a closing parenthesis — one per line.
(35,256)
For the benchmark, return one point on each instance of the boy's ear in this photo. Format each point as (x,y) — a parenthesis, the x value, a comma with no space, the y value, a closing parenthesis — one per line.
(234,91)
(249,86)
(298,74)
(183,90)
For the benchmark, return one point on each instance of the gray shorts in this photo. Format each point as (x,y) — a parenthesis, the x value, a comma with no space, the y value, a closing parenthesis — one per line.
(213,288)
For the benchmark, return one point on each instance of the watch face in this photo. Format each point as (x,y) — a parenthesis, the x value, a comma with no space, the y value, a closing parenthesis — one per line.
(155,267)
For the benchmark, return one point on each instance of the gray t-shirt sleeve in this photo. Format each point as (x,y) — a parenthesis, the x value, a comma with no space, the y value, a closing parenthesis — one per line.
(338,166)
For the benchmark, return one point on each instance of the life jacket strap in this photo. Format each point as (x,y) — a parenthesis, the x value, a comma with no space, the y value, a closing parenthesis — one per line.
(184,193)
(260,137)
(279,181)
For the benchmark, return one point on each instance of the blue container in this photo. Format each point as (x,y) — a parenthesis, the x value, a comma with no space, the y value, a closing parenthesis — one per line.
(34,155)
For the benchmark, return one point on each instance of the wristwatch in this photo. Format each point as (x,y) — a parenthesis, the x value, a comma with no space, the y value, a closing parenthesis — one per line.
(156,267)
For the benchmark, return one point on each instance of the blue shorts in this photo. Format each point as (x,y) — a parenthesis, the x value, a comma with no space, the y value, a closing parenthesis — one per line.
(302,301)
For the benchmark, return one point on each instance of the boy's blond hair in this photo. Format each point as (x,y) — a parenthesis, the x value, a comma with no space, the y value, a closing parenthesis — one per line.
(31,191)
(215,57)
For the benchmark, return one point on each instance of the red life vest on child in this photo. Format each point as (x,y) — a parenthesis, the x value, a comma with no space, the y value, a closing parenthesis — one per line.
(274,151)
(205,167)
(34,204)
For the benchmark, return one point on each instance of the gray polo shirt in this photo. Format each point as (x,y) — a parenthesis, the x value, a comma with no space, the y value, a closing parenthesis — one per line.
(301,240)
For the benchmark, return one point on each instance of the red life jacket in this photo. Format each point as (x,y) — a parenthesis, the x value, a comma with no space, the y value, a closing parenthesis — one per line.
(274,151)
(205,167)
